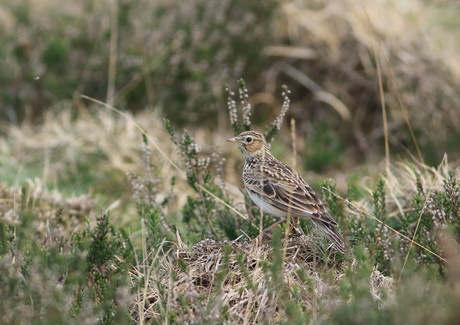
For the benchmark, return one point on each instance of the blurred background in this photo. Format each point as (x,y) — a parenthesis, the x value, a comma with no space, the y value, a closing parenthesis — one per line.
(343,61)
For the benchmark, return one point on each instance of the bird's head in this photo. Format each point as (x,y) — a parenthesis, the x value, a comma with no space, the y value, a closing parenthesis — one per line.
(251,142)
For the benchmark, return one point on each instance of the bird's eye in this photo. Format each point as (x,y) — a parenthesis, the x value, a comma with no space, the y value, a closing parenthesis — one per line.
(248,139)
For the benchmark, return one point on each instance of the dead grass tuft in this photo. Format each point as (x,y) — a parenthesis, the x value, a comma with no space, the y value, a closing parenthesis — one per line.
(403,180)
(355,45)
(85,155)
(53,216)
(236,280)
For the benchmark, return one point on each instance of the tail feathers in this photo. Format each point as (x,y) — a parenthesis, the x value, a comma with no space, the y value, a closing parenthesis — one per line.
(331,233)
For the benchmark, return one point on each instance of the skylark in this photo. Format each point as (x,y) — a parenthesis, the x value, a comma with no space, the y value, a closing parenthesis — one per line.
(279,190)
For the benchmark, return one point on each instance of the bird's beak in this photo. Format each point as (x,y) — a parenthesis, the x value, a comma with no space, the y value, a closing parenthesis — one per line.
(232,139)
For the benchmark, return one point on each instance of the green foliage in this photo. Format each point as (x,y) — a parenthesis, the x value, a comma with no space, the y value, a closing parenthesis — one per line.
(56,55)
(450,202)
(324,148)
(183,51)
(361,307)
(145,189)
(100,251)
(414,299)
(428,217)
(379,201)
(204,216)
(155,232)
(64,282)
(331,197)
(431,213)
(108,252)
(373,234)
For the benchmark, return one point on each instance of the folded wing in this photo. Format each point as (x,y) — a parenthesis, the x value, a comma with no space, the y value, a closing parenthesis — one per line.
(293,195)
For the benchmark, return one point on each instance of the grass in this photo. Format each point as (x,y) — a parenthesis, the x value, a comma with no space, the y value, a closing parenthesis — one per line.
(118,216)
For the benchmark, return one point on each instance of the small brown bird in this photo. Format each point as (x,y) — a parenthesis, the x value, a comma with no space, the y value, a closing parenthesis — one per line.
(279,190)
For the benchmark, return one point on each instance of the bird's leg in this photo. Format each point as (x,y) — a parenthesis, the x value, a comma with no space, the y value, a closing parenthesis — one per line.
(271,227)
(294,223)
(268,229)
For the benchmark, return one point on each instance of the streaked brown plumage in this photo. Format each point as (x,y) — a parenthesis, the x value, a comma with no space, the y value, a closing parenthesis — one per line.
(279,190)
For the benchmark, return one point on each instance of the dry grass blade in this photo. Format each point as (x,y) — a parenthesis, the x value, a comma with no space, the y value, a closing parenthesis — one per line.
(319,92)
(381,92)
(382,95)
(111,75)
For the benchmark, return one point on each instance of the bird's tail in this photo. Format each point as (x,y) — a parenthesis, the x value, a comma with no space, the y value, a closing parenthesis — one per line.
(332,233)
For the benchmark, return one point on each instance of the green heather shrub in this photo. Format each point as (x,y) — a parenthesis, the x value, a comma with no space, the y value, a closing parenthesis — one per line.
(77,280)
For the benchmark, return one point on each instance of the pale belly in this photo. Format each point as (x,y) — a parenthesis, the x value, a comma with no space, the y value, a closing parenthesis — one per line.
(268,208)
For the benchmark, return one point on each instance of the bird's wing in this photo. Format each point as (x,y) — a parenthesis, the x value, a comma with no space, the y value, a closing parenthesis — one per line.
(283,188)
(287,191)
